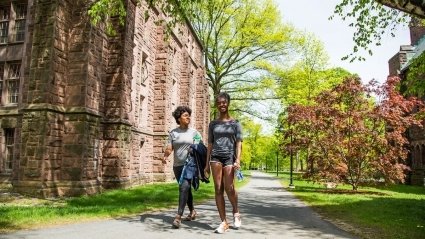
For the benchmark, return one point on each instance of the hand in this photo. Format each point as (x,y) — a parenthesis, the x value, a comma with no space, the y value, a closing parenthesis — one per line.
(236,165)
(207,172)
(164,160)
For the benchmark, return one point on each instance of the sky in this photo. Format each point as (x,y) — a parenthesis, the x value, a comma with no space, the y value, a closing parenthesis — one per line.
(312,16)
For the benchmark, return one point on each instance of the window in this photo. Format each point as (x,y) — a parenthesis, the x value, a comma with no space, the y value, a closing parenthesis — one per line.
(9,82)
(1,81)
(12,22)
(4,13)
(13,82)
(4,23)
(141,120)
(9,141)
(21,11)
(144,74)
(19,30)
(3,31)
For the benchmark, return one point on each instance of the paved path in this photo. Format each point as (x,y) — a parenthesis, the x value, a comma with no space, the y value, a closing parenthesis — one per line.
(268,211)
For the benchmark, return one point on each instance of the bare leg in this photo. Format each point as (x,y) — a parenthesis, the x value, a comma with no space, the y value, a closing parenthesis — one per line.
(217,169)
(229,187)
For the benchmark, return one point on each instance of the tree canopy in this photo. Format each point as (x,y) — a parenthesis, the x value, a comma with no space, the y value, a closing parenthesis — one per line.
(371,18)
(351,138)
(308,75)
(259,151)
(238,36)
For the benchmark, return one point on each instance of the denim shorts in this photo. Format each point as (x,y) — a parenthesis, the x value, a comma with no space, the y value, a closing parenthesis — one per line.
(225,161)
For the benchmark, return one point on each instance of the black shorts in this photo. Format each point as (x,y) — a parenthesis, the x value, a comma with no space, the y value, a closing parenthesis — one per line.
(225,161)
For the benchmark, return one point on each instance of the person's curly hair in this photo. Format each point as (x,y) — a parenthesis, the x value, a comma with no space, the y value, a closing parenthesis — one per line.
(179,111)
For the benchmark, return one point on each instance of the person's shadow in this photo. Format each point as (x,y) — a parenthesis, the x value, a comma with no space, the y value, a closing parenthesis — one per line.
(164,221)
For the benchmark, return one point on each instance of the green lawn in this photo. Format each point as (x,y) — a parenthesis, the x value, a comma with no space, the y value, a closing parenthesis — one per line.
(23,213)
(396,211)
(17,213)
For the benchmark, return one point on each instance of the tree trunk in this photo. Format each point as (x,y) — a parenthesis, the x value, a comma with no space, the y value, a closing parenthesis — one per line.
(298,161)
(301,165)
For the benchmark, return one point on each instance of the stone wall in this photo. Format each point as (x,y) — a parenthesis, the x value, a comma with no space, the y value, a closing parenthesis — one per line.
(416,157)
(95,110)
(416,136)
(417,31)
(396,62)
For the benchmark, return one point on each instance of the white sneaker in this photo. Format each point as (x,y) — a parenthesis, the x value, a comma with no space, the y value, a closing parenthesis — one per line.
(237,222)
(222,228)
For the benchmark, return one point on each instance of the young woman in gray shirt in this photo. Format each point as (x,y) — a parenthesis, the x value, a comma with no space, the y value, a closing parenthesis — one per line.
(179,142)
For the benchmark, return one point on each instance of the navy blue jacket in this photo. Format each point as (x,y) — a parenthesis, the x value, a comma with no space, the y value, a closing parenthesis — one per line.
(194,167)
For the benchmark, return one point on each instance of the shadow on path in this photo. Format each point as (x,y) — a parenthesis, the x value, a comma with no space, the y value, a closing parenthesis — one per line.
(267,209)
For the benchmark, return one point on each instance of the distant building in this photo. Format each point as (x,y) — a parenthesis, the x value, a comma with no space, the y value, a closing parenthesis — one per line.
(399,66)
(81,111)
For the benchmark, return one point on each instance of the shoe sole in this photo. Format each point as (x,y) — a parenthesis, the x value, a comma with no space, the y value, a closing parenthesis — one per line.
(176,227)
(236,227)
(225,230)
(221,232)
(238,215)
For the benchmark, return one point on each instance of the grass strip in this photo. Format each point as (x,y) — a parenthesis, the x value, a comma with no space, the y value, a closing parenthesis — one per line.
(396,211)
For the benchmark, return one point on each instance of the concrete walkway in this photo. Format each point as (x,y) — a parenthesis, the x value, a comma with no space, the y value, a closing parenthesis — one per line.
(268,211)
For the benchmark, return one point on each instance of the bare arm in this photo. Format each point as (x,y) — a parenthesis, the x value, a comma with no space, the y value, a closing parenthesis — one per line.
(237,163)
(207,164)
(167,152)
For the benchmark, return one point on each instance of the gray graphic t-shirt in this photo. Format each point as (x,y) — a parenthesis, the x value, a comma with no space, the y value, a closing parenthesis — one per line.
(181,139)
(223,136)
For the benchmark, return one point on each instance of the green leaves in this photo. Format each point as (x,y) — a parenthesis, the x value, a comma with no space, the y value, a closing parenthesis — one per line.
(414,83)
(308,75)
(240,38)
(371,21)
(105,11)
(352,140)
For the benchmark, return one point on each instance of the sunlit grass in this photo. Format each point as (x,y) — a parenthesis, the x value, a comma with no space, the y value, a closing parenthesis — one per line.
(20,214)
(396,211)
(25,213)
